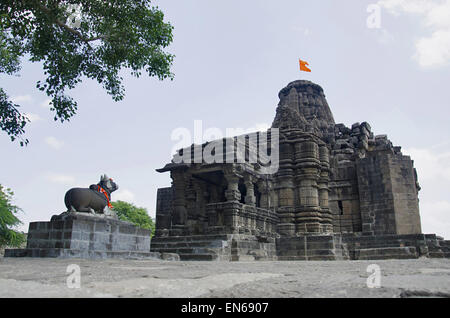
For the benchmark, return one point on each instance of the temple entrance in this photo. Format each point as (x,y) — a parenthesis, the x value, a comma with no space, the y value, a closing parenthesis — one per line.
(243,190)
(213,184)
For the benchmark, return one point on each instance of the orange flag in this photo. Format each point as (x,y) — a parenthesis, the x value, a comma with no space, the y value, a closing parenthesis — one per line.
(303,66)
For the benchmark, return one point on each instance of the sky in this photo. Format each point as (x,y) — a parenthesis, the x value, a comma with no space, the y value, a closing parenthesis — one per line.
(232,59)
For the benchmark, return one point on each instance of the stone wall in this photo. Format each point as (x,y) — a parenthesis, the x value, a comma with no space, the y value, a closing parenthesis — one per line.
(164,206)
(347,145)
(238,218)
(344,199)
(388,194)
(404,188)
(85,236)
(310,248)
(375,193)
(217,247)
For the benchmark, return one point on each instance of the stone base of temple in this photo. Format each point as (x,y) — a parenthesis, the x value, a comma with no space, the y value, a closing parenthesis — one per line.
(81,235)
(71,253)
(219,247)
(361,247)
(312,247)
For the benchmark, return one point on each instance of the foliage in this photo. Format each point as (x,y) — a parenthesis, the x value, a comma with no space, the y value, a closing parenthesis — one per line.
(109,36)
(8,220)
(131,213)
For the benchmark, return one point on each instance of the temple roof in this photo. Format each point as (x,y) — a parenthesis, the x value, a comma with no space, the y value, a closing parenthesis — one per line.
(303,106)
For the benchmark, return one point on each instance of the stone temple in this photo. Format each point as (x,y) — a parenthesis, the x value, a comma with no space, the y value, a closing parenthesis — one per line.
(338,193)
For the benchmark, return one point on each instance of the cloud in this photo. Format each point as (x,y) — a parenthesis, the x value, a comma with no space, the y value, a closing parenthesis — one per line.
(435,217)
(304,31)
(431,164)
(46,103)
(21,99)
(433,169)
(54,143)
(33,117)
(397,7)
(123,195)
(434,50)
(384,36)
(260,127)
(257,127)
(61,179)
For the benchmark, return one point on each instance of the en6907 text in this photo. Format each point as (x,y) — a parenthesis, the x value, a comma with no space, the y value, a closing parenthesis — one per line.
(246,307)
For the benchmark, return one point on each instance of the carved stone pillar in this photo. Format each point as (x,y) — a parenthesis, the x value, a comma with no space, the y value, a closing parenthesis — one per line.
(250,198)
(308,217)
(265,188)
(286,208)
(200,204)
(285,191)
(327,217)
(232,193)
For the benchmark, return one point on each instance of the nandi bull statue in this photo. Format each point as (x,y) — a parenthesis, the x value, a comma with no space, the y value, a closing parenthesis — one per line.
(96,199)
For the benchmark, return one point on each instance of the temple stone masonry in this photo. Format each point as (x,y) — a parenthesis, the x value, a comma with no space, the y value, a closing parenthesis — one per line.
(338,193)
(82,235)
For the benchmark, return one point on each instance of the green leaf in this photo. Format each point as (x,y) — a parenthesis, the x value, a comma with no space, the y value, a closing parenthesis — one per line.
(9,220)
(113,35)
(136,215)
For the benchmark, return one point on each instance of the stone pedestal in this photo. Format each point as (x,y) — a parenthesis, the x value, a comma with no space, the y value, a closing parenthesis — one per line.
(81,235)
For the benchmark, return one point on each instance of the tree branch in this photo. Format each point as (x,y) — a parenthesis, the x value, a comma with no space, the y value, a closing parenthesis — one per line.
(68,28)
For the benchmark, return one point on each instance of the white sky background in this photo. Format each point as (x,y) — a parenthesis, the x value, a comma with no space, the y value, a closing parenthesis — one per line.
(232,58)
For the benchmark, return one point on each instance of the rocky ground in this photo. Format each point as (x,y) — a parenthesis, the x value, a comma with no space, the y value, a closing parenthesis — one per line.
(26,277)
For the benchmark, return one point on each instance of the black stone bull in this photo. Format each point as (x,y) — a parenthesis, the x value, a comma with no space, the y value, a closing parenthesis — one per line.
(96,199)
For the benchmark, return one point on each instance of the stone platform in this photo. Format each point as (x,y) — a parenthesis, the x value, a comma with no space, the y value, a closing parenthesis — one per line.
(361,247)
(311,248)
(81,235)
(219,247)
(332,247)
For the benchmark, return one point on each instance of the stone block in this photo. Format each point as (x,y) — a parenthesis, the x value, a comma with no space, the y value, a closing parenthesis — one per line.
(86,236)
(127,229)
(102,227)
(170,257)
(84,226)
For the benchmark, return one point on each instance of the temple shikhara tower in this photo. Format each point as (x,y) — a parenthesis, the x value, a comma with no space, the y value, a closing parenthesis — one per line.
(338,193)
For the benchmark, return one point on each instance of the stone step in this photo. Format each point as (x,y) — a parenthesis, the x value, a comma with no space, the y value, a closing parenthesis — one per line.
(242,258)
(72,253)
(307,258)
(308,247)
(213,243)
(335,254)
(383,245)
(292,258)
(388,250)
(376,240)
(386,257)
(173,250)
(198,257)
(195,248)
(187,250)
(324,252)
(387,253)
(322,258)
(193,238)
(437,254)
